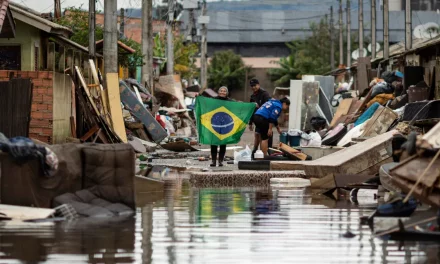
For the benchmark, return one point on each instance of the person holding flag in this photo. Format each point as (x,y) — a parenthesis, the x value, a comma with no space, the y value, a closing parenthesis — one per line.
(266,117)
(221,121)
(222,95)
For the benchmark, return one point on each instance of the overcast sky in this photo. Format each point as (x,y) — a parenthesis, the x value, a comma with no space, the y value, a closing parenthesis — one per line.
(45,6)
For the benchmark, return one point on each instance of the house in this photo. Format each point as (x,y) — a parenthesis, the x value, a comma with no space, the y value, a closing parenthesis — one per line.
(40,50)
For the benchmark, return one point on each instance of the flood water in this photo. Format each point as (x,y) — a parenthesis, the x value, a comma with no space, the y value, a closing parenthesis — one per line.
(214,225)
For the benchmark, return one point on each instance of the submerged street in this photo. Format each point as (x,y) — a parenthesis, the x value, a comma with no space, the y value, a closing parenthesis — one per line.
(215,225)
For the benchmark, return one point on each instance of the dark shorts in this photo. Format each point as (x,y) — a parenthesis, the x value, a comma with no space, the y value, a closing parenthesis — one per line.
(261,126)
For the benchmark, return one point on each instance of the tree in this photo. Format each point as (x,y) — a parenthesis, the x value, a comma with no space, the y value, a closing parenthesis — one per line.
(310,55)
(78,21)
(287,71)
(184,54)
(227,69)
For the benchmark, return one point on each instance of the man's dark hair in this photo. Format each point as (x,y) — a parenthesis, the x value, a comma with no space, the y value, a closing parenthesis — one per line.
(285,100)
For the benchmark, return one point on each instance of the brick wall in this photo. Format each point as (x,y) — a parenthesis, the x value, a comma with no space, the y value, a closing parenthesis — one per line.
(41,125)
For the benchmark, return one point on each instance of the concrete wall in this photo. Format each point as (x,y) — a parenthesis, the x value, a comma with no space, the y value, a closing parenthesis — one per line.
(27,37)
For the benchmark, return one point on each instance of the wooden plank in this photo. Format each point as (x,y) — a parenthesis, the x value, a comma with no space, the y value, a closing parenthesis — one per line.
(72,127)
(379,122)
(294,153)
(104,94)
(25,213)
(90,133)
(51,56)
(114,98)
(86,89)
(343,109)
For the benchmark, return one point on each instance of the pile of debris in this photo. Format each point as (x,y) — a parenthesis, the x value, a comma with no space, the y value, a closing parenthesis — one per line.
(128,112)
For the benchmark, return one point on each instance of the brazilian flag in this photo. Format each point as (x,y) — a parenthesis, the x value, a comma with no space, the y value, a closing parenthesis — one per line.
(221,122)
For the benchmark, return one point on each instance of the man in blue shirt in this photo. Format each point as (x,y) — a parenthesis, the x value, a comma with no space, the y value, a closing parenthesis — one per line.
(266,117)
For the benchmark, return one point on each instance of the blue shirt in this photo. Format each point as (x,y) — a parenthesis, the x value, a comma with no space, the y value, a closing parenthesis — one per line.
(271,110)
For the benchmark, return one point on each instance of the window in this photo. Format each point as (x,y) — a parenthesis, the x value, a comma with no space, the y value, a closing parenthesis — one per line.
(10,57)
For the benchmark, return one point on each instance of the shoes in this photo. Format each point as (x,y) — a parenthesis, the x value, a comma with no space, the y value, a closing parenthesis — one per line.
(220,163)
(213,164)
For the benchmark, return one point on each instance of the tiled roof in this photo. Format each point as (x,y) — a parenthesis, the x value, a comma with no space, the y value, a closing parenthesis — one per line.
(30,17)
(3,10)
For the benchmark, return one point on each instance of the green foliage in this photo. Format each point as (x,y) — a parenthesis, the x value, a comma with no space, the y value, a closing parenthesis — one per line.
(287,71)
(228,69)
(184,63)
(78,22)
(311,55)
(131,60)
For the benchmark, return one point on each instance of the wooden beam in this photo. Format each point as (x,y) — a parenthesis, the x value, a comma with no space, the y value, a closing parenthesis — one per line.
(90,133)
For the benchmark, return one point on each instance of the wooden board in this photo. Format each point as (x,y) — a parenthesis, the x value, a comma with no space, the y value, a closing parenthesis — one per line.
(131,102)
(104,94)
(86,89)
(115,105)
(291,152)
(343,109)
(379,122)
(25,213)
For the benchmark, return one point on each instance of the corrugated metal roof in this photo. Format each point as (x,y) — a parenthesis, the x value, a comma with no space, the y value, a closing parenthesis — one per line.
(283,21)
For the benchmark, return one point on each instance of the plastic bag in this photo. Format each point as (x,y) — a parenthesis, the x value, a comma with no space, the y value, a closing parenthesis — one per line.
(243,155)
(314,140)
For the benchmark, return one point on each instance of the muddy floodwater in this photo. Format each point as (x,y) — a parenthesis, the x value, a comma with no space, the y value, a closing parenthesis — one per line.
(214,225)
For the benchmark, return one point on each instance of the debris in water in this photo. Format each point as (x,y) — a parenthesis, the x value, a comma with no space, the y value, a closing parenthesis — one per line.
(348,234)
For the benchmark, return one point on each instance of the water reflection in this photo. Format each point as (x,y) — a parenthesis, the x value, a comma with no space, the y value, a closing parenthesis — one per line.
(212,225)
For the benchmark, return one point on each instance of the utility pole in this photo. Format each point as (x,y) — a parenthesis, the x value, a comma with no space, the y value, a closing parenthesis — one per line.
(147,44)
(341,36)
(386,28)
(92,23)
(373,29)
(332,44)
(408,25)
(348,34)
(204,51)
(170,44)
(57,11)
(361,28)
(122,24)
(110,36)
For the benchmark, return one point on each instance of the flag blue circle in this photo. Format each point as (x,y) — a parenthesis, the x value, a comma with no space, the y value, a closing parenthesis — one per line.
(222,123)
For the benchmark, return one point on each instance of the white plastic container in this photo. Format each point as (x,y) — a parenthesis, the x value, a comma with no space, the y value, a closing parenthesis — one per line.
(259,155)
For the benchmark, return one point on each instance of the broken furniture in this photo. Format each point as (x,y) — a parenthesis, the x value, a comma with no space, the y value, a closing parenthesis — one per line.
(365,157)
(106,170)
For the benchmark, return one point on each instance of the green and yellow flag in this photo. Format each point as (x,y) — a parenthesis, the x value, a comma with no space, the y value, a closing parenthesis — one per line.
(221,122)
